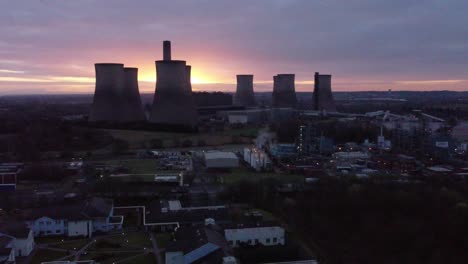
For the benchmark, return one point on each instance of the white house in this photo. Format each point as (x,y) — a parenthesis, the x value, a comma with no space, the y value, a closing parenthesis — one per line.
(267,236)
(81,219)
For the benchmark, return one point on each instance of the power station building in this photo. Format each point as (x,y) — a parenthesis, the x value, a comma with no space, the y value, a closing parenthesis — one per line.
(244,92)
(323,97)
(116,96)
(173,103)
(284,91)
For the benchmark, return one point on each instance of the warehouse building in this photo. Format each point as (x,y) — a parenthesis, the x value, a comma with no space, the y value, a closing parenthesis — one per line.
(221,160)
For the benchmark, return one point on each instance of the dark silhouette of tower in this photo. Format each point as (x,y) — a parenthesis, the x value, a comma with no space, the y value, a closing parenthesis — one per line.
(323,97)
(284,91)
(131,102)
(173,103)
(116,96)
(244,92)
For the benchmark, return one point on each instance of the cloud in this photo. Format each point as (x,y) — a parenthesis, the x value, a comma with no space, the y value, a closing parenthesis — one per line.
(363,43)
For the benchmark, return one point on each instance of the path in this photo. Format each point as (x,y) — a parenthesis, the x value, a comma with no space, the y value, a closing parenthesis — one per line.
(156,250)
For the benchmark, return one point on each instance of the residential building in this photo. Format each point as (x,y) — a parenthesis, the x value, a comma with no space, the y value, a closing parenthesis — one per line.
(76,219)
(255,235)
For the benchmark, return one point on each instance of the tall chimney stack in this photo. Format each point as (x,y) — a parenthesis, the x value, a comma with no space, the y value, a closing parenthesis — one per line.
(167,50)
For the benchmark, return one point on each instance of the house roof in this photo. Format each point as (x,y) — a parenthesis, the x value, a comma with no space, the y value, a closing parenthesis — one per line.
(92,208)
(14,228)
(154,214)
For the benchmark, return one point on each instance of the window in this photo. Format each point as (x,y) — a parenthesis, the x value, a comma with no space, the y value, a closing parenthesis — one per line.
(256,241)
(231,243)
(275,240)
(268,241)
(57,231)
(41,222)
(249,241)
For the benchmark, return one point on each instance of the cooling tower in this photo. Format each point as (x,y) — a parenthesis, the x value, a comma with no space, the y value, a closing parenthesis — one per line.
(323,97)
(188,76)
(131,102)
(284,91)
(173,103)
(244,92)
(108,92)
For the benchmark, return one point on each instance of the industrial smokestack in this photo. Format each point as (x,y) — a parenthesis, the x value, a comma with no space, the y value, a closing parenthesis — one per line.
(133,109)
(173,103)
(284,91)
(167,50)
(108,92)
(244,92)
(323,97)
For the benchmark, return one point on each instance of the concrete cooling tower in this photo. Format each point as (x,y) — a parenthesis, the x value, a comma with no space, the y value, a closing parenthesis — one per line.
(244,92)
(284,91)
(116,96)
(131,102)
(323,97)
(173,103)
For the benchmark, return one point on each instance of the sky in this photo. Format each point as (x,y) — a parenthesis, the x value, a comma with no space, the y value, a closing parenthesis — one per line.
(50,46)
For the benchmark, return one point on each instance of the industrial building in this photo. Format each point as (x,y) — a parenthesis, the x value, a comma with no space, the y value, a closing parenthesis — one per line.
(173,103)
(244,92)
(323,97)
(221,159)
(257,159)
(284,91)
(116,96)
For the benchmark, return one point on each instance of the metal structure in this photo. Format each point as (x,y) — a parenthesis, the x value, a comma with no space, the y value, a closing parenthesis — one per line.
(116,96)
(284,91)
(244,92)
(173,103)
(323,97)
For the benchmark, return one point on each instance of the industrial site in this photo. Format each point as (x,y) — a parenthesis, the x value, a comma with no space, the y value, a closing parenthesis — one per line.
(247,132)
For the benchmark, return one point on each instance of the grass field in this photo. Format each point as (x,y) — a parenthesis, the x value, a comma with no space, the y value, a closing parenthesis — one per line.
(143,139)
(44,255)
(125,241)
(141,259)
(72,244)
(106,258)
(243,174)
(136,166)
(163,239)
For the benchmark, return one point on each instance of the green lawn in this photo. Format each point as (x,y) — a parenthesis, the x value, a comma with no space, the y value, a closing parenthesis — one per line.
(163,239)
(43,255)
(136,166)
(242,174)
(142,139)
(251,132)
(106,258)
(56,239)
(72,244)
(133,240)
(142,259)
